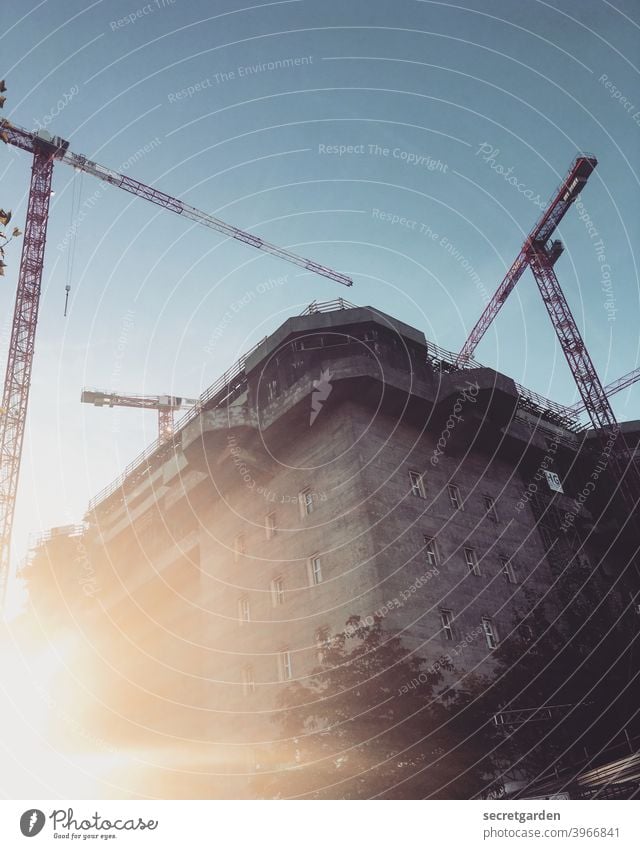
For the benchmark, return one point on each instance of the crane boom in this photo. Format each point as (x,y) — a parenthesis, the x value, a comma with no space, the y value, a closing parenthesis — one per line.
(26,140)
(611,389)
(46,150)
(141,402)
(165,405)
(579,172)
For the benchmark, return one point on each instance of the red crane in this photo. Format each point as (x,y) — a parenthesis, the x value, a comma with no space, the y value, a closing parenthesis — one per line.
(541,254)
(166,405)
(570,188)
(611,389)
(46,150)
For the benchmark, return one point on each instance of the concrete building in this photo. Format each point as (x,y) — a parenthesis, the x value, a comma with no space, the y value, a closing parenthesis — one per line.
(343,466)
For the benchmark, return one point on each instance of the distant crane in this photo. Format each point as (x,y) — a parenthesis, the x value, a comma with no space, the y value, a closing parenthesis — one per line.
(166,405)
(541,254)
(46,150)
(611,389)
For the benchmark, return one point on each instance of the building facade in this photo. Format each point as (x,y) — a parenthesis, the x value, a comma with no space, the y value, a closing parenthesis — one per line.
(344,467)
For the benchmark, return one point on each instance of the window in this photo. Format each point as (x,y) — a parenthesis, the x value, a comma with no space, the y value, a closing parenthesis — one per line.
(454,496)
(239,547)
(430,550)
(446,618)
(490,633)
(315,570)
(472,561)
(306,502)
(323,640)
(244,610)
(272,389)
(277,592)
(508,571)
(248,681)
(270,525)
(284,665)
(417,484)
(370,335)
(308,343)
(490,508)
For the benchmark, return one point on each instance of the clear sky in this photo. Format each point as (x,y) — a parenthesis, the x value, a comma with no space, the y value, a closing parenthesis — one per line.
(450,91)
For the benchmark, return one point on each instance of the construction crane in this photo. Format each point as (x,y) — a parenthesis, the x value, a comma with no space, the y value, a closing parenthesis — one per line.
(540,254)
(580,171)
(166,405)
(46,150)
(611,389)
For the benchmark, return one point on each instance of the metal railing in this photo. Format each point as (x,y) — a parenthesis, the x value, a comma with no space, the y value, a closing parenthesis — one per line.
(328,306)
(564,415)
(233,377)
(38,539)
(528,399)
(211,397)
(439,357)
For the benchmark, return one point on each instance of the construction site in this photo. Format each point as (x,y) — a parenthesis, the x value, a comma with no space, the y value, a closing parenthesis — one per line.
(347,483)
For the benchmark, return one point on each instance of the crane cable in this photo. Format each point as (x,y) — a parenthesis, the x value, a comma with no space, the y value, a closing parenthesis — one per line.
(76,197)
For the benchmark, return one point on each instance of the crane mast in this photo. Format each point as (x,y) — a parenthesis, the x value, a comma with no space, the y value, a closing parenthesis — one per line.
(541,254)
(46,150)
(15,396)
(592,392)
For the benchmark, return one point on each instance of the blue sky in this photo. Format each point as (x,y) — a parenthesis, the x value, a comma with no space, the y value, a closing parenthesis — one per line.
(533,82)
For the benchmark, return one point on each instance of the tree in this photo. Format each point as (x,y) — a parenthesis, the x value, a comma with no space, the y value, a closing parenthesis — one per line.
(374,721)
(5,217)
(572,663)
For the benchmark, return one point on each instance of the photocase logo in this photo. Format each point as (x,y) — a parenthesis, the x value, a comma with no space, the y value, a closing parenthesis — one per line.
(32,822)
(322,390)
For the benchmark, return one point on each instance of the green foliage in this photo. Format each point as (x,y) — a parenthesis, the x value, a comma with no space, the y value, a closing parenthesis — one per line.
(374,721)
(574,653)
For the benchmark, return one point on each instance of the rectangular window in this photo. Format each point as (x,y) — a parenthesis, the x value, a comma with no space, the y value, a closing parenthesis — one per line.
(322,643)
(431,551)
(454,496)
(471,560)
(490,633)
(270,525)
(248,681)
(490,508)
(306,502)
(239,547)
(315,570)
(508,571)
(446,618)
(277,592)
(417,484)
(244,610)
(272,389)
(285,667)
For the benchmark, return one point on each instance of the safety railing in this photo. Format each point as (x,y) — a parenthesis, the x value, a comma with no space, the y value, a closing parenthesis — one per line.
(232,378)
